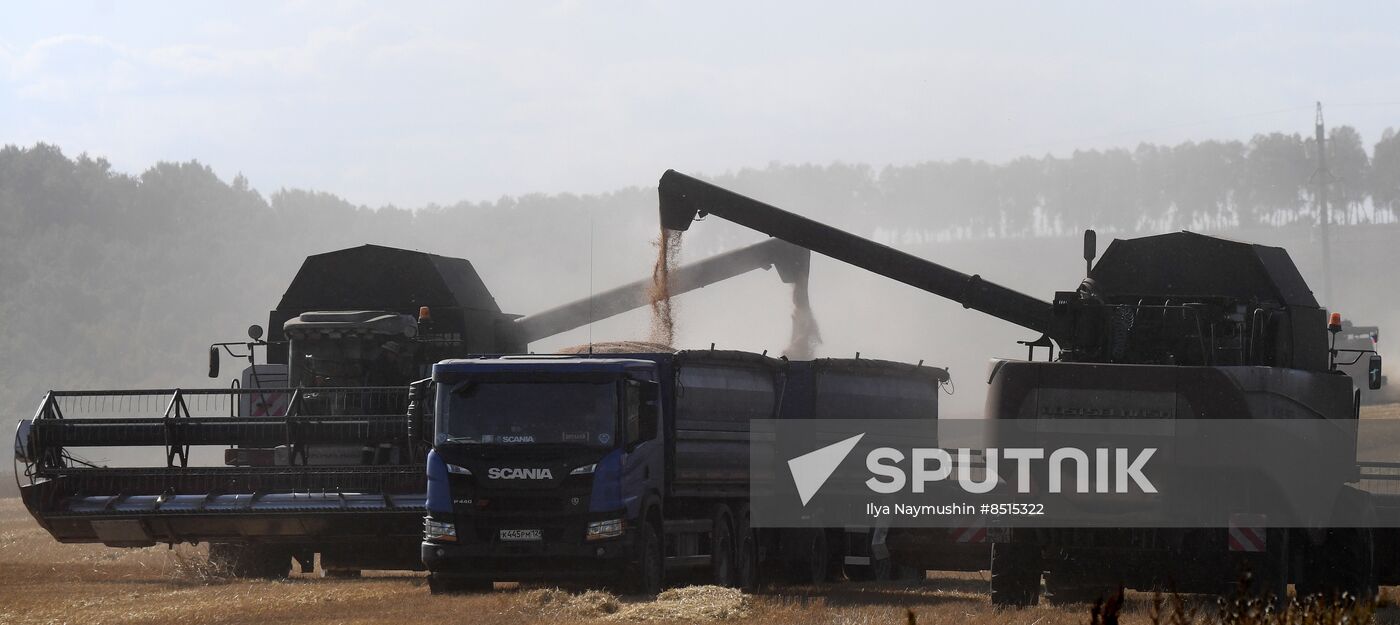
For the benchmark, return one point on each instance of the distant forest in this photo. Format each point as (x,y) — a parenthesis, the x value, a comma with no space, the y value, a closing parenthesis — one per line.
(116,279)
(1207,185)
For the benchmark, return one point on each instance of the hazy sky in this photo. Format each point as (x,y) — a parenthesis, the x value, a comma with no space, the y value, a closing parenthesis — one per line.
(413,103)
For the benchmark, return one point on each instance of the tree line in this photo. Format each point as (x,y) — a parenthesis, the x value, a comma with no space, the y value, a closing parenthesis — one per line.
(115,279)
(1271,180)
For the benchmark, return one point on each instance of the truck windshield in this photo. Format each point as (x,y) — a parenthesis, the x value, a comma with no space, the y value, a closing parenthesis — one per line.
(581,413)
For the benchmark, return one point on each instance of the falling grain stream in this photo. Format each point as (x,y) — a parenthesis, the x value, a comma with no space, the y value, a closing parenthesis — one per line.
(805,334)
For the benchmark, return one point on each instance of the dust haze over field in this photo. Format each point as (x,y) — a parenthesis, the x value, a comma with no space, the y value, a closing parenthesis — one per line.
(171,166)
(117,281)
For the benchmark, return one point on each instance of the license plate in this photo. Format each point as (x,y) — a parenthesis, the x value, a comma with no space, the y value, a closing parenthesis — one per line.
(520,535)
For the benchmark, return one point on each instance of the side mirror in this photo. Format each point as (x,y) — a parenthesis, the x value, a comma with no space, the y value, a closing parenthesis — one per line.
(1091,249)
(213,361)
(1373,372)
(420,411)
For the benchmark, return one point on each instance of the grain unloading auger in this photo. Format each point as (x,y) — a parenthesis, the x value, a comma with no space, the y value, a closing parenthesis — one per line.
(683,198)
(1173,326)
(320,450)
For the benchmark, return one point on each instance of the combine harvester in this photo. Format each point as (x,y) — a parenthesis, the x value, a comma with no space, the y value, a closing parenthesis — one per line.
(320,454)
(1200,328)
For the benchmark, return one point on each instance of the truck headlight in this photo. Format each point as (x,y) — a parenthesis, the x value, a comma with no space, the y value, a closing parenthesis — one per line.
(610,528)
(441,531)
(452,468)
(586,469)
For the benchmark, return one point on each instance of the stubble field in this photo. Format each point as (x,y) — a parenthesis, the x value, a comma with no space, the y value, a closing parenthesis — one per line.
(42,581)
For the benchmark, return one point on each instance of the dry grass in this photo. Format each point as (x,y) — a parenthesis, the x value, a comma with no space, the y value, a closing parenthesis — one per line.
(45,582)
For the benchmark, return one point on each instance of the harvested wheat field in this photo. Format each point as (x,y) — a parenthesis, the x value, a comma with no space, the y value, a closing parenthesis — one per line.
(42,581)
(1381,411)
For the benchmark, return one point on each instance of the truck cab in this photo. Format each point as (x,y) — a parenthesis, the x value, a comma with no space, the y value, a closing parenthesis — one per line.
(626,468)
(541,458)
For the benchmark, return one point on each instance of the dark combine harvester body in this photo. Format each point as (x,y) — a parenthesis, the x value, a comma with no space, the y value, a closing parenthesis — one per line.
(321,450)
(1174,326)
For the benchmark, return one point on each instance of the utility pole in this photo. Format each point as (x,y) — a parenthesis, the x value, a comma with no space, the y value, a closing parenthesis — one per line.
(1324,178)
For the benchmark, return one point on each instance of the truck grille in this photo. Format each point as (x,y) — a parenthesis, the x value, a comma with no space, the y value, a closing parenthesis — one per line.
(520,505)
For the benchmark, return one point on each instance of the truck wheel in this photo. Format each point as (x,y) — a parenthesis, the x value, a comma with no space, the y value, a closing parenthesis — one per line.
(907,573)
(722,549)
(439,584)
(881,569)
(816,556)
(1066,582)
(746,551)
(1015,575)
(877,569)
(649,573)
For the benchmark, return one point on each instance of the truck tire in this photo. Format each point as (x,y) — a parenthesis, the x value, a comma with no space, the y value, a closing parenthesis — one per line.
(808,556)
(1015,574)
(439,584)
(819,557)
(907,573)
(1067,581)
(648,574)
(746,554)
(877,570)
(722,553)
(882,569)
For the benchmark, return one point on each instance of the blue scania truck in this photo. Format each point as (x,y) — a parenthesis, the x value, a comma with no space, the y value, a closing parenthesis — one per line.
(627,469)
